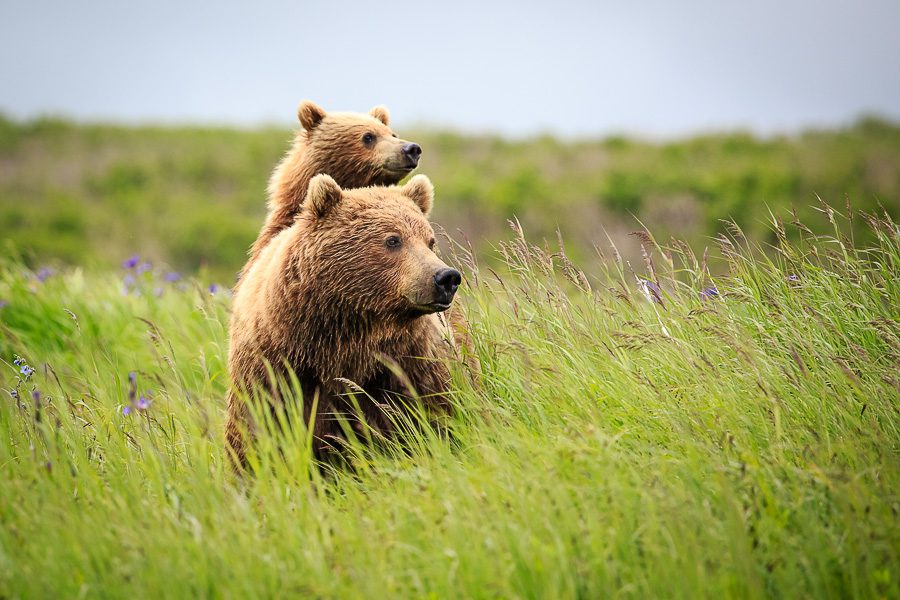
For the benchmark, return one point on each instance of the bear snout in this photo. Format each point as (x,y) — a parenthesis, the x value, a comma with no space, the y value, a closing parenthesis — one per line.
(446,281)
(412,152)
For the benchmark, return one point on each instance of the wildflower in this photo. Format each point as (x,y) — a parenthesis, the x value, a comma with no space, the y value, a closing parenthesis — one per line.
(650,290)
(143,267)
(709,292)
(36,396)
(44,274)
(158,292)
(14,394)
(172,276)
(135,401)
(213,288)
(4,303)
(132,393)
(24,368)
(132,386)
(131,262)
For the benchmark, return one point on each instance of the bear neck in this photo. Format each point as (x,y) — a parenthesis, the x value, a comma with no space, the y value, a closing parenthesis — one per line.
(287,190)
(290,182)
(340,341)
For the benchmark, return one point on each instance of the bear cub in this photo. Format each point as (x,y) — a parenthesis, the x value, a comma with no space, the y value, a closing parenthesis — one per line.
(356,150)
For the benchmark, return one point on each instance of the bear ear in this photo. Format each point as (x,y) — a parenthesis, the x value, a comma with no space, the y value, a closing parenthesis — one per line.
(310,114)
(419,190)
(381,113)
(323,194)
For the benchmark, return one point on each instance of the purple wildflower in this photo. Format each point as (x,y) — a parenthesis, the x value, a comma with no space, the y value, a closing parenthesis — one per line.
(709,292)
(36,396)
(24,368)
(143,267)
(213,288)
(44,274)
(793,277)
(131,262)
(4,303)
(129,280)
(158,292)
(650,290)
(172,276)
(132,387)
(135,401)
(14,394)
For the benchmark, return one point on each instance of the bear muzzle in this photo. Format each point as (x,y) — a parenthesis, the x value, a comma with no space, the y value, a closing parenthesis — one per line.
(402,158)
(412,152)
(437,296)
(446,282)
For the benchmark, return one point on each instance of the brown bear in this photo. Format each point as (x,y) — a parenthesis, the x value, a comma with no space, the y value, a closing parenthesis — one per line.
(349,292)
(356,149)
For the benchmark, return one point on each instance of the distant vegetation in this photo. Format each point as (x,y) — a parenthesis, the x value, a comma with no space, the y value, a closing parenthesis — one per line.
(195,197)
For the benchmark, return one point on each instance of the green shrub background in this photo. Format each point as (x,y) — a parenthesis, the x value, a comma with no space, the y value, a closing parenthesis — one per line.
(195,197)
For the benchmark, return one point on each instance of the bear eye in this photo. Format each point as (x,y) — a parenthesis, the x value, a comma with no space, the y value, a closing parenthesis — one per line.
(431,244)
(368,139)
(393,242)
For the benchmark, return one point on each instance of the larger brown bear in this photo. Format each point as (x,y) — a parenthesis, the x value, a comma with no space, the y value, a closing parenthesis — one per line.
(347,292)
(357,150)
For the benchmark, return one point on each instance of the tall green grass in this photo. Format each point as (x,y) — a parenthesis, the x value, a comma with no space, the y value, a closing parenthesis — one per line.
(737,444)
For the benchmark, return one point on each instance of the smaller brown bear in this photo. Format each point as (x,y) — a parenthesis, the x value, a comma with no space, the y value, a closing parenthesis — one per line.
(357,150)
(349,291)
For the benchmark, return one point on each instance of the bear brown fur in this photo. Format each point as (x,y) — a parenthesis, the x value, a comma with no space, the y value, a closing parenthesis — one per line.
(355,149)
(349,292)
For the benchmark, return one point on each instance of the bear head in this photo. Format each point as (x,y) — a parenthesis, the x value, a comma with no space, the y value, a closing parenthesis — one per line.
(370,251)
(356,149)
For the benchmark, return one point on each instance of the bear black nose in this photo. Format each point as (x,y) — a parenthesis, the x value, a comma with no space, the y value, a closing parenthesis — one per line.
(446,281)
(412,152)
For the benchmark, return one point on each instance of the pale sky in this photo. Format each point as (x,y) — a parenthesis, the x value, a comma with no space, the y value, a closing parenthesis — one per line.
(519,68)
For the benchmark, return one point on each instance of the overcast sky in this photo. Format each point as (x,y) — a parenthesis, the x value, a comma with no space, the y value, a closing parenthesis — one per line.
(571,68)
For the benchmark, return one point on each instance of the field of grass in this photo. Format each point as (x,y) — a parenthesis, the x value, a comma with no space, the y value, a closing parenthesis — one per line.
(194,197)
(742,442)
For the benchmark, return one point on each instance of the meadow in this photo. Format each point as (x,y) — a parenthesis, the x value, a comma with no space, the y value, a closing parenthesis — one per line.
(683,426)
(709,416)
